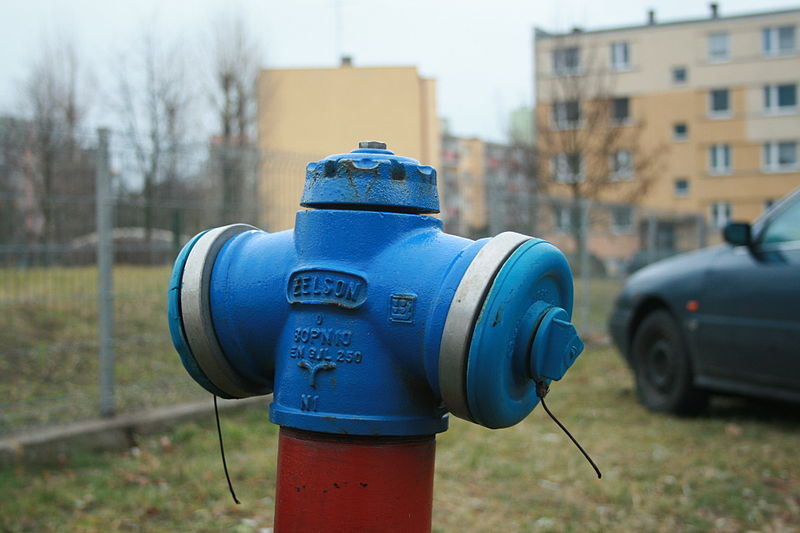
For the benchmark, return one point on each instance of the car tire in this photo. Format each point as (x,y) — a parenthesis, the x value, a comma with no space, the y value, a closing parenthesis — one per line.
(664,377)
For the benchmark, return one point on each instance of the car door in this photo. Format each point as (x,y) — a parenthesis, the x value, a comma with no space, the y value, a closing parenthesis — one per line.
(749,315)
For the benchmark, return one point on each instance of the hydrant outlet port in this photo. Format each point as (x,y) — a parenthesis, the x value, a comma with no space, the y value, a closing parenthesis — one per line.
(465,308)
(499,390)
(202,346)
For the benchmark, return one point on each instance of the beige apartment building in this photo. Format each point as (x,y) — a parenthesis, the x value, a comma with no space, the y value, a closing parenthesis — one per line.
(713,103)
(463,177)
(486,186)
(307,114)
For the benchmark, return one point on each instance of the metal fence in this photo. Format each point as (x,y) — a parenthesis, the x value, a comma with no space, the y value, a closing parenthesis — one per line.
(84,266)
(85,262)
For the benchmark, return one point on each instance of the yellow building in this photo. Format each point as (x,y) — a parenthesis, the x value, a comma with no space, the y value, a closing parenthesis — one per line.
(714,100)
(307,114)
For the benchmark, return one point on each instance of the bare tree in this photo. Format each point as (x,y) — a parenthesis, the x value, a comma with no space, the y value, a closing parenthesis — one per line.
(588,140)
(14,134)
(523,154)
(153,100)
(235,67)
(54,97)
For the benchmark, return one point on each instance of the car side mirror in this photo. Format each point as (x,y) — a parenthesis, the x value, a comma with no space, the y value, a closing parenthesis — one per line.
(738,234)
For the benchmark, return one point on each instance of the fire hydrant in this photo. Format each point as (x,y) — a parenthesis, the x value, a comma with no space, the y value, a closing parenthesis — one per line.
(369,325)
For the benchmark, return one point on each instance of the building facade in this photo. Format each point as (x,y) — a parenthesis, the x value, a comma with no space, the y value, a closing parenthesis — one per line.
(713,102)
(463,179)
(487,186)
(307,114)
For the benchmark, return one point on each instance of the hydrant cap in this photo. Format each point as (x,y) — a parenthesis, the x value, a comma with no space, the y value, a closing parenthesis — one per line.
(371,178)
(499,390)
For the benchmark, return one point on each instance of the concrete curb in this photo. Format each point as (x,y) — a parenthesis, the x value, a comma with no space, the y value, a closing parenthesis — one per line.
(54,444)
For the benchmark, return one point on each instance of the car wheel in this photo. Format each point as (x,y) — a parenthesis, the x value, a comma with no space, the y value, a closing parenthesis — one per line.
(664,379)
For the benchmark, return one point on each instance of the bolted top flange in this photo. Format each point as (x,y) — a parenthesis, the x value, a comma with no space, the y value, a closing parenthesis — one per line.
(371,178)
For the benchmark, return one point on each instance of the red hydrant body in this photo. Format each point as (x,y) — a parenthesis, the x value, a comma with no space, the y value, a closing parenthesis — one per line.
(350,483)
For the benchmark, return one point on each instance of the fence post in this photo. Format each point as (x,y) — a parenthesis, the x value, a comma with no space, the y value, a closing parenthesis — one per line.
(583,255)
(105,286)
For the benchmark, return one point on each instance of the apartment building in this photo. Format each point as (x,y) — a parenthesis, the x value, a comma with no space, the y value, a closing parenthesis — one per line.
(487,186)
(307,114)
(462,176)
(711,103)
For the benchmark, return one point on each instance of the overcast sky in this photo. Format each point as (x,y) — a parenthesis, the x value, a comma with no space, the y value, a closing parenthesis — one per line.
(480,52)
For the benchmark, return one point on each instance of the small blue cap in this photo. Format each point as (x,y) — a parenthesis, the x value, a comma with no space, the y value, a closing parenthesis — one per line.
(555,346)
(371,178)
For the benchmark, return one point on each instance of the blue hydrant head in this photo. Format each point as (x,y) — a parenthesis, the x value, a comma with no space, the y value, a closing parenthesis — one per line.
(366,318)
(371,177)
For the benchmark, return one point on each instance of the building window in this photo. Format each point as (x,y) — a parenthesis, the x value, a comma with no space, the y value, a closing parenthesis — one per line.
(681,187)
(622,219)
(679,75)
(563,218)
(780,98)
(621,165)
(568,168)
(620,56)
(779,156)
(567,60)
(620,110)
(720,159)
(719,104)
(680,131)
(778,40)
(718,49)
(720,214)
(566,114)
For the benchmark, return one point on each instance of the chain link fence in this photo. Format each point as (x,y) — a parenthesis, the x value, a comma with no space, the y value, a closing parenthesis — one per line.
(86,249)
(85,260)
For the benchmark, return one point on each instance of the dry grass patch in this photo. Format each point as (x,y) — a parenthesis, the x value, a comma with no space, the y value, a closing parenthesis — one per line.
(735,470)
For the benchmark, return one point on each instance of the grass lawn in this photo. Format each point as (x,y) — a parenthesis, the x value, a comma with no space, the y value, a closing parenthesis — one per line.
(735,470)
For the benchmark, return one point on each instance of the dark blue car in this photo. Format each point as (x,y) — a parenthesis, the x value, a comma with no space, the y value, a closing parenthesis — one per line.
(722,319)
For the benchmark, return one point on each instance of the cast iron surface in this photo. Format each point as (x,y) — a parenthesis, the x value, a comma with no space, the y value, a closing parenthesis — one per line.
(350,317)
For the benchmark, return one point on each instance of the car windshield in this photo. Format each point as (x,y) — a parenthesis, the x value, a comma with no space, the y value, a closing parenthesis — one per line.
(785,226)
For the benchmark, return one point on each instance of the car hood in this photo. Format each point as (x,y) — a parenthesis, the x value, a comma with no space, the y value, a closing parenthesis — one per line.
(671,278)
